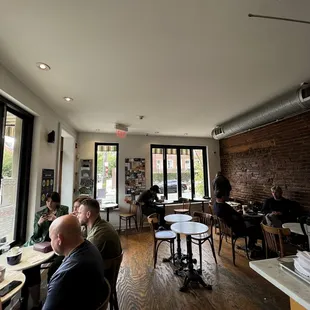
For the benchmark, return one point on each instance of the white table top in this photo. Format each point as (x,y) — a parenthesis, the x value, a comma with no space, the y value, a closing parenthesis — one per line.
(30,258)
(9,277)
(293,227)
(233,203)
(175,218)
(283,280)
(189,228)
(109,205)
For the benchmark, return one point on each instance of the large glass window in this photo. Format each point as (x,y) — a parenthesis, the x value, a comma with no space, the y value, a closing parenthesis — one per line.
(180,171)
(15,157)
(106,172)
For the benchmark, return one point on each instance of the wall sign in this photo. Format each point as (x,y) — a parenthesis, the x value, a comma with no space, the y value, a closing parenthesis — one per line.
(47,185)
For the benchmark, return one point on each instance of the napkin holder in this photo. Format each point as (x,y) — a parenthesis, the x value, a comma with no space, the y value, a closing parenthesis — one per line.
(44,247)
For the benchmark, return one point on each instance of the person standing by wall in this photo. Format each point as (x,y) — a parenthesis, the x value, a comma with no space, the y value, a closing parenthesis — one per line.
(221,184)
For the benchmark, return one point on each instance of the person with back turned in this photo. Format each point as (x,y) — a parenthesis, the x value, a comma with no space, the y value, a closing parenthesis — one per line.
(81,270)
(222,184)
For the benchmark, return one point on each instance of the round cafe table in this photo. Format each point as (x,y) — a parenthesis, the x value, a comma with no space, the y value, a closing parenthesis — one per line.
(176,218)
(107,207)
(189,229)
(293,227)
(9,277)
(30,258)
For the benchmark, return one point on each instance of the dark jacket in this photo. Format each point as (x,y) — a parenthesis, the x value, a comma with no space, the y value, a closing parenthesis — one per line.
(147,198)
(79,282)
(231,217)
(104,236)
(222,184)
(41,232)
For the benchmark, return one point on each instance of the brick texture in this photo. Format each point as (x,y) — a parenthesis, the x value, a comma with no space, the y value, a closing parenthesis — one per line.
(278,153)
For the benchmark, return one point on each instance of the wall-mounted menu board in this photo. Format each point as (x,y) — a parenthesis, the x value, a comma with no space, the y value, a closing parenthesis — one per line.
(134,176)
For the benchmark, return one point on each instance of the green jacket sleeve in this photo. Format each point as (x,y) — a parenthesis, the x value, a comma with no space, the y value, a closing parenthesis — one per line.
(37,229)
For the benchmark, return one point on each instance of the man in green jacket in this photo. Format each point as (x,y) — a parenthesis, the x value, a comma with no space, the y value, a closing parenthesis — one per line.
(99,232)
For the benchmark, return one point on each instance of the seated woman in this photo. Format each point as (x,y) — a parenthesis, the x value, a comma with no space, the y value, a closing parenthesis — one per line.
(42,222)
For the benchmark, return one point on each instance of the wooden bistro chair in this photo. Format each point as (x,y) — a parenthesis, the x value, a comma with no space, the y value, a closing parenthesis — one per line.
(132,214)
(111,270)
(105,304)
(206,219)
(226,231)
(160,236)
(185,210)
(274,241)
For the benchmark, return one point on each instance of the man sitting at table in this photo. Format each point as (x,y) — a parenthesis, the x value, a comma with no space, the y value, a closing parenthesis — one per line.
(278,209)
(235,220)
(147,202)
(99,232)
(79,282)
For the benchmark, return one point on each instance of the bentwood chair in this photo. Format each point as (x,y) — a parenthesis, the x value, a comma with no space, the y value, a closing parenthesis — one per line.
(226,231)
(160,236)
(274,241)
(105,304)
(111,270)
(208,220)
(126,217)
(186,208)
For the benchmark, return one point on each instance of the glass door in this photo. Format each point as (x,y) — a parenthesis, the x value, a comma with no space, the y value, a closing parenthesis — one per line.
(186,185)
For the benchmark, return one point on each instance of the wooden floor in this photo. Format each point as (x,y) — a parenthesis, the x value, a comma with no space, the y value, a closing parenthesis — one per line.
(142,287)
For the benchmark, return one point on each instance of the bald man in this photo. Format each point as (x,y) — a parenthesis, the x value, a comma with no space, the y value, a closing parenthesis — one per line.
(79,282)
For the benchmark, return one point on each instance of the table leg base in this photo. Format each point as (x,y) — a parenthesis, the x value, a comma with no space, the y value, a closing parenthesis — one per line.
(193,276)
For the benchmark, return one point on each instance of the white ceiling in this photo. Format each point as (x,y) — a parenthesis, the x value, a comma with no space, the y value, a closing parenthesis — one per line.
(187,65)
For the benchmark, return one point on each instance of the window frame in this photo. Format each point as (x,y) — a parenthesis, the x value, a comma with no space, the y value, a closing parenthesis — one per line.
(22,197)
(179,169)
(117,167)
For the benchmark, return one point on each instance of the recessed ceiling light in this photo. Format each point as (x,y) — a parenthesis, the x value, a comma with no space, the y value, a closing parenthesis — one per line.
(186,134)
(68,99)
(43,66)
(156,132)
(97,130)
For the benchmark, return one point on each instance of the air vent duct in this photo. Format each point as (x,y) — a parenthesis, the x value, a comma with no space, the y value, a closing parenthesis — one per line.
(284,106)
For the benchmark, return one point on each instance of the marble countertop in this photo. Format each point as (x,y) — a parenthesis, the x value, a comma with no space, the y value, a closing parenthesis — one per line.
(292,286)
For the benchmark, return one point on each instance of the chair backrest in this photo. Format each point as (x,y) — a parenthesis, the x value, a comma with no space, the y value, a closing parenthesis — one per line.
(209,208)
(274,238)
(111,267)
(105,304)
(206,219)
(154,222)
(224,228)
(187,205)
(133,209)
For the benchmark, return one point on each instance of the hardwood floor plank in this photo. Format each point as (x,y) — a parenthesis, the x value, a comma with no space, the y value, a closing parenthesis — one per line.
(142,287)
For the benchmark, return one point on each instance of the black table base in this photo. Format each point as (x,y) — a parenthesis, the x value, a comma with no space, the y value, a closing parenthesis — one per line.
(192,275)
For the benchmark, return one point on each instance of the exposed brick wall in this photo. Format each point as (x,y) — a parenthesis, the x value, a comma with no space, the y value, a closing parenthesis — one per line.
(277,153)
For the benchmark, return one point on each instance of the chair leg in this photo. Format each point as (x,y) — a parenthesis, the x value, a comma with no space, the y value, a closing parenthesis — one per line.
(135,219)
(126,225)
(220,246)
(213,250)
(246,248)
(200,254)
(173,258)
(155,253)
(171,247)
(120,225)
(115,301)
(129,223)
(233,241)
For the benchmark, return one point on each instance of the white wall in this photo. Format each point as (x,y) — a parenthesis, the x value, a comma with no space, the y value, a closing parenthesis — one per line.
(139,146)
(44,155)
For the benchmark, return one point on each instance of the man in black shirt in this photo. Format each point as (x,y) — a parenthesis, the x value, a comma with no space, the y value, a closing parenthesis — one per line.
(81,271)
(279,206)
(235,220)
(147,201)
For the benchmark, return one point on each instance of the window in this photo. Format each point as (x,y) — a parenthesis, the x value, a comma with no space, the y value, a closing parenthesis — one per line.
(170,164)
(106,172)
(187,165)
(183,171)
(15,159)
(158,164)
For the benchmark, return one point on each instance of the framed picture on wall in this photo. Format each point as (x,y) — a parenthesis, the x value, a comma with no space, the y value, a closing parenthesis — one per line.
(134,176)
